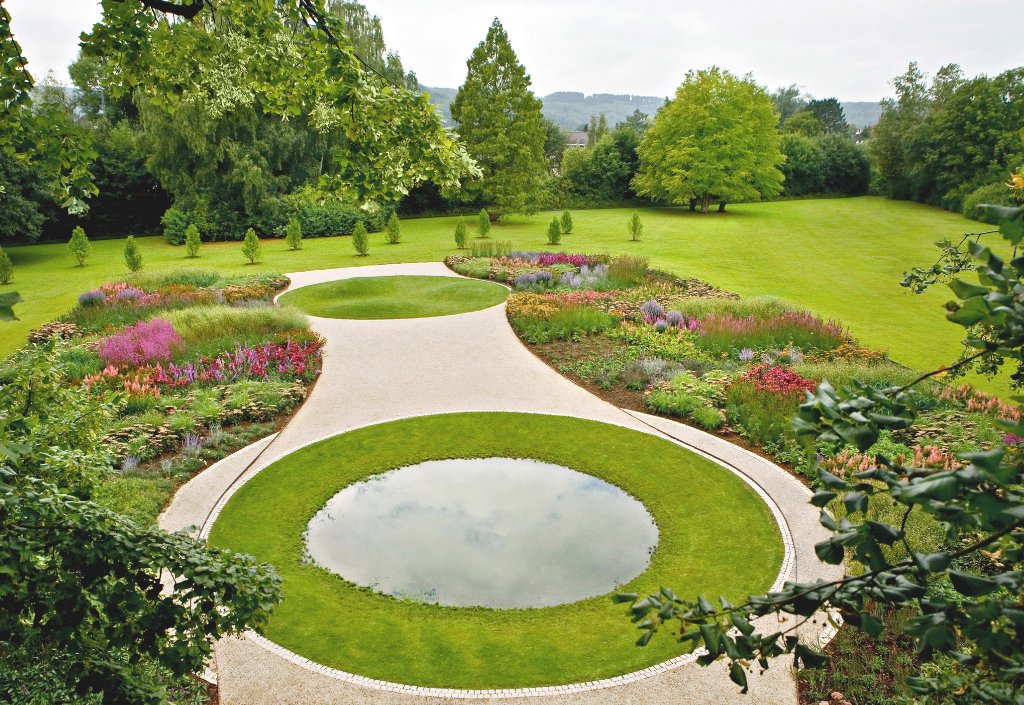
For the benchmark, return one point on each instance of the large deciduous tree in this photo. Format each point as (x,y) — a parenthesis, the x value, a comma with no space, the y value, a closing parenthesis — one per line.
(500,121)
(717,139)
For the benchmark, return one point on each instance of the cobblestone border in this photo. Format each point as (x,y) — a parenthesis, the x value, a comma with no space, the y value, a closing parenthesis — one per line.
(787,567)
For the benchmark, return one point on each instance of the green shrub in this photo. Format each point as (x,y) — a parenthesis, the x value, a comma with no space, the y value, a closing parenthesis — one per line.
(175,222)
(201,323)
(293,234)
(635,227)
(251,247)
(765,418)
(6,268)
(477,267)
(568,323)
(992,194)
(708,418)
(360,240)
(181,422)
(79,246)
(78,361)
(394,230)
(554,232)
(141,499)
(322,214)
(566,223)
(483,223)
(193,241)
(461,233)
(132,254)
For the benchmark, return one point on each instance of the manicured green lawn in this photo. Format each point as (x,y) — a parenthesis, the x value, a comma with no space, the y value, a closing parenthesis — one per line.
(841,258)
(693,501)
(395,297)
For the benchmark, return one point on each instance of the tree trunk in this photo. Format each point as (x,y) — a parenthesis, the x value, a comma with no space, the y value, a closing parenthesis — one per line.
(721,206)
(705,201)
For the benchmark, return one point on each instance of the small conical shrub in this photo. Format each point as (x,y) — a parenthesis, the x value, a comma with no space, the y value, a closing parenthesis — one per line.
(461,233)
(193,240)
(251,247)
(483,223)
(566,222)
(360,240)
(635,227)
(394,230)
(132,254)
(554,232)
(293,234)
(6,268)
(79,246)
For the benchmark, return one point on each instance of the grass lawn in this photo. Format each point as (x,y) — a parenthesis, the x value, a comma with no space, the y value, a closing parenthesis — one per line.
(335,623)
(395,297)
(841,258)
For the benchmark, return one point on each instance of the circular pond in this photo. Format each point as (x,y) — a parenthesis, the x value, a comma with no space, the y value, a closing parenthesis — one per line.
(395,297)
(484,532)
(715,537)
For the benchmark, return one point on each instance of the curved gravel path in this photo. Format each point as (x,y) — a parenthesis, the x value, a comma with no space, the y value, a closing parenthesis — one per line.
(376,371)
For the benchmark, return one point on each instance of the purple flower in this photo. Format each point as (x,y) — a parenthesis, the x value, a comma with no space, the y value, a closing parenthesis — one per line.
(661,325)
(93,297)
(129,294)
(652,311)
(746,355)
(675,318)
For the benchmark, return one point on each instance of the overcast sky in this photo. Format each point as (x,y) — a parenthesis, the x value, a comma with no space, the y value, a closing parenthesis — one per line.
(842,48)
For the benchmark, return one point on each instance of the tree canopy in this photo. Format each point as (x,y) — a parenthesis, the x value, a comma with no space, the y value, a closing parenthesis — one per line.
(716,138)
(500,121)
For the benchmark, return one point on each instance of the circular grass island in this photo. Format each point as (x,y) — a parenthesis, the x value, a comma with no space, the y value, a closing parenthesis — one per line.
(715,536)
(376,298)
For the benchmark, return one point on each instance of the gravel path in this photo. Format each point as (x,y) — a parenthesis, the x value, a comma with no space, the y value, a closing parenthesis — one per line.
(376,371)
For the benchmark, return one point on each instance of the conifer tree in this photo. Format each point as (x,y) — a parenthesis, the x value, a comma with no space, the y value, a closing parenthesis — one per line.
(132,254)
(79,246)
(461,233)
(566,222)
(394,230)
(6,270)
(360,240)
(293,234)
(500,123)
(483,223)
(251,247)
(554,232)
(193,241)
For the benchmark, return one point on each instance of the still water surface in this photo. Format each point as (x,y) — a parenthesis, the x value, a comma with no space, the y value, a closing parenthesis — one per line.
(490,532)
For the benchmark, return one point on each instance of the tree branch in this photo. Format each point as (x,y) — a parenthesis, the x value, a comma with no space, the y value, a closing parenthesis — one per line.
(193,8)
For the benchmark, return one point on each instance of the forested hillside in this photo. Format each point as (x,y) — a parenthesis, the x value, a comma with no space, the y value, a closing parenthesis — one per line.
(573,110)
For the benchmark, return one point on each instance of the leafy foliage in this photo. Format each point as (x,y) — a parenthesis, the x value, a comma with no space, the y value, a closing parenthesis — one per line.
(716,138)
(225,97)
(500,121)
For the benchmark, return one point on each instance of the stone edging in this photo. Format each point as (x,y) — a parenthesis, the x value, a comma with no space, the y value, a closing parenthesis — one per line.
(787,567)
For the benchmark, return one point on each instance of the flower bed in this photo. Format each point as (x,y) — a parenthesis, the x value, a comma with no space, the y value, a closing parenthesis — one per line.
(191,365)
(739,367)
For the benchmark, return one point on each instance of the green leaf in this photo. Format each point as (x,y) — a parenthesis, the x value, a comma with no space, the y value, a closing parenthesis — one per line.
(738,676)
(972,585)
(7,302)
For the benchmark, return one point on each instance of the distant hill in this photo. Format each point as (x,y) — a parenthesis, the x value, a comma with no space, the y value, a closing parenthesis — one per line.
(573,110)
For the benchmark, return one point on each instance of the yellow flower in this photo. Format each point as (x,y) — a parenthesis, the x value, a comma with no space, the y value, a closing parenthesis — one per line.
(1016,181)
